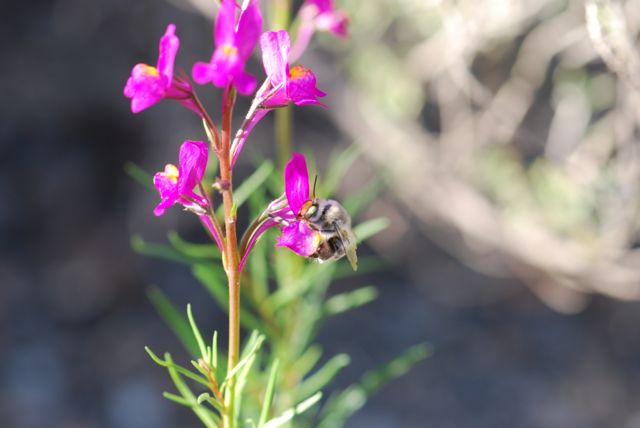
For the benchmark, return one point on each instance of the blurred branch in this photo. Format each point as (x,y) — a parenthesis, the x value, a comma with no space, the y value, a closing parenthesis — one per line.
(532,167)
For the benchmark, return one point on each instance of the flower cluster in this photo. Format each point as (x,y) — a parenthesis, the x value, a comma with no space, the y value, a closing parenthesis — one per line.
(237,31)
(309,226)
(234,40)
(148,85)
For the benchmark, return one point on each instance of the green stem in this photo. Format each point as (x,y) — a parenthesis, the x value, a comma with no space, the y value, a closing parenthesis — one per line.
(231,251)
(281,14)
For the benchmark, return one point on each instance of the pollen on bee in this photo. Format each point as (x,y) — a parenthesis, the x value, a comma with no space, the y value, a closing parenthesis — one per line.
(317,239)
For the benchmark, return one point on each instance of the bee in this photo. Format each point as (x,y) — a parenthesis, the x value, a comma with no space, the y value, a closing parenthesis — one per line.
(333,223)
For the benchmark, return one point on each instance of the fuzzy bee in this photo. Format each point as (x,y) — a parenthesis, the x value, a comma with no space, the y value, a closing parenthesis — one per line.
(333,223)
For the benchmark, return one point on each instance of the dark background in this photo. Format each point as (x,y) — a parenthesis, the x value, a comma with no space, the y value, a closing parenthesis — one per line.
(74,316)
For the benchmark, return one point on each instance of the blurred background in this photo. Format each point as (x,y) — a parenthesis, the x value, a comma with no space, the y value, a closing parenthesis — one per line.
(505,133)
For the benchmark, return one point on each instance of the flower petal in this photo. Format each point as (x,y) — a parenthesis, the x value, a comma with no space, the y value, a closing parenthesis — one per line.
(302,86)
(145,87)
(168,192)
(296,182)
(245,83)
(335,22)
(300,238)
(275,51)
(224,65)
(225,23)
(322,5)
(202,72)
(169,45)
(193,162)
(277,99)
(249,29)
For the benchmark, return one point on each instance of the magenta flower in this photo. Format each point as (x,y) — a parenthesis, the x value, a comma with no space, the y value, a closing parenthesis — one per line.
(318,15)
(234,44)
(297,234)
(147,84)
(288,212)
(175,184)
(326,17)
(296,85)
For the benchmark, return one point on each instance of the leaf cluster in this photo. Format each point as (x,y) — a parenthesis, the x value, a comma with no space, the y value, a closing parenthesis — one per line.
(285,301)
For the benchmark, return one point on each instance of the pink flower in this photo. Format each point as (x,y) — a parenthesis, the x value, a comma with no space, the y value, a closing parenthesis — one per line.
(297,85)
(175,184)
(147,84)
(288,212)
(296,232)
(326,17)
(234,44)
(318,15)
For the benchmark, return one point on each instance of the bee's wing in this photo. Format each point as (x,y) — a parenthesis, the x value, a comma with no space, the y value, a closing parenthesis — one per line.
(349,241)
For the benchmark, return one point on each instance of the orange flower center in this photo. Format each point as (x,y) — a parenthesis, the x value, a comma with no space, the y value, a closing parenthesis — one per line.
(297,71)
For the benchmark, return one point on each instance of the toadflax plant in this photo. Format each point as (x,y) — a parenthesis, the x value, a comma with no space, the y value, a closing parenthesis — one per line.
(263,386)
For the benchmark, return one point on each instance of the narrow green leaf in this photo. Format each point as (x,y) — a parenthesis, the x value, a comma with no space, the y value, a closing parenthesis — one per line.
(160,251)
(177,399)
(241,381)
(234,209)
(241,371)
(191,250)
(347,301)
(291,413)
(196,365)
(214,280)
(370,228)
(355,202)
(203,397)
(257,263)
(206,397)
(326,374)
(247,359)
(253,182)
(173,319)
(168,363)
(250,344)
(215,283)
(214,351)
(315,275)
(139,175)
(397,367)
(307,360)
(339,165)
(268,396)
(208,418)
(196,334)
(341,406)
(366,264)
(250,185)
